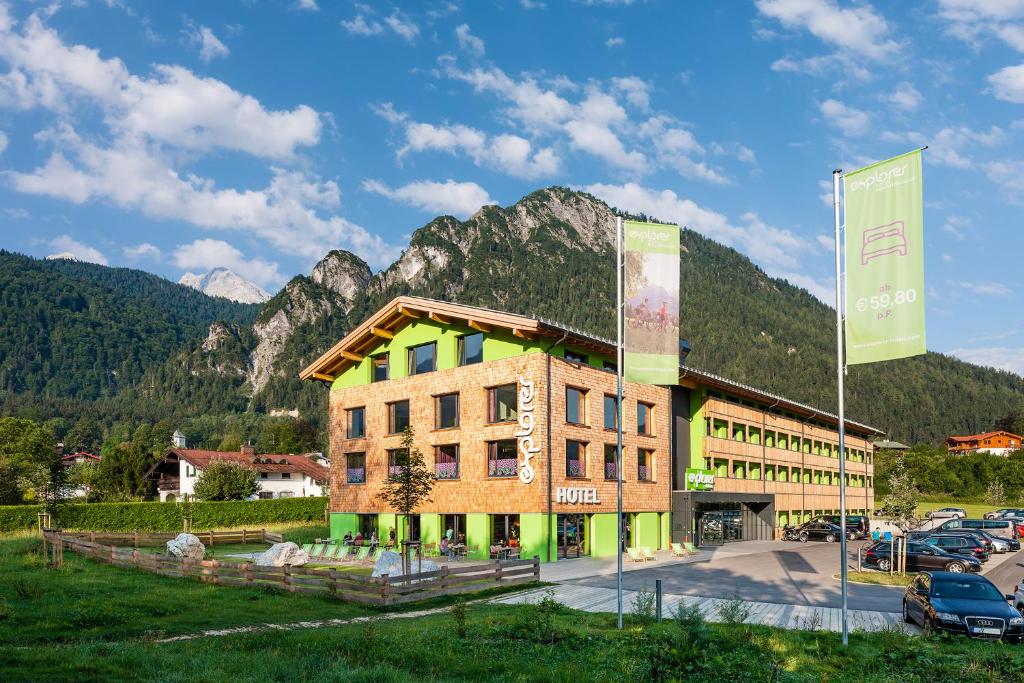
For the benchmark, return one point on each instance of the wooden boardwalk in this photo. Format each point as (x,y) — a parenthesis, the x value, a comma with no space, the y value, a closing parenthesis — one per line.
(804,617)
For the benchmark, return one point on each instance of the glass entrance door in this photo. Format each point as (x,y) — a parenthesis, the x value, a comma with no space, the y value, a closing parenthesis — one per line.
(572,535)
(712,529)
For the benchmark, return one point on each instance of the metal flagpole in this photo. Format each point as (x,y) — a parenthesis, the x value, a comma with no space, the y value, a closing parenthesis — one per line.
(836,174)
(618,411)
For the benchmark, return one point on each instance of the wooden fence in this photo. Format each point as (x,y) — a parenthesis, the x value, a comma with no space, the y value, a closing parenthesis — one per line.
(138,539)
(381,591)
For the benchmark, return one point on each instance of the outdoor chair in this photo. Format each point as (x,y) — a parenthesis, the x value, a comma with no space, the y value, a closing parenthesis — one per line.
(495,552)
(465,552)
(374,553)
(318,550)
(690,547)
(513,554)
(362,553)
(634,555)
(647,553)
(430,550)
(679,551)
(333,551)
(308,547)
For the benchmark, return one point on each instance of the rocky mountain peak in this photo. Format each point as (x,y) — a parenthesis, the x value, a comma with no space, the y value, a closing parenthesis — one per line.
(225,283)
(343,273)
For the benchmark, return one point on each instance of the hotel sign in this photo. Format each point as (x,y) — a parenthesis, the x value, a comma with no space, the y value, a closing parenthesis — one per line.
(575,496)
(699,480)
(524,436)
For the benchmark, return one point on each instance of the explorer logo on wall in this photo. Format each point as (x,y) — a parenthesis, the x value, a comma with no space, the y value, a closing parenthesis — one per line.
(699,480)
(527,449)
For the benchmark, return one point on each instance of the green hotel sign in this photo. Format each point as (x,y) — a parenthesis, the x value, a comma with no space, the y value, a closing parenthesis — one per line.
(699,480)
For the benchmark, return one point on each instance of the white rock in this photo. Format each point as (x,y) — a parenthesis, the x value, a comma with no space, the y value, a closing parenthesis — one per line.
(186,546)
(281,554)
(390,563)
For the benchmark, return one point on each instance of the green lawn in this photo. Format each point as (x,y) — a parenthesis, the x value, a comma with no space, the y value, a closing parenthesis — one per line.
(879,578)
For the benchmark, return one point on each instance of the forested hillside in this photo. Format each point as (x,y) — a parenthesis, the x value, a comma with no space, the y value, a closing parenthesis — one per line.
(146,349)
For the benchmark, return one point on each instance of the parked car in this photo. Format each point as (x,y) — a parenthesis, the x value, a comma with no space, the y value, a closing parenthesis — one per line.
(920,556)
(1018,597)
(1004,512)
(955,513)
(1007,526)
(961,544)
(983,536)
(818,531)
(962,603)
(857,526)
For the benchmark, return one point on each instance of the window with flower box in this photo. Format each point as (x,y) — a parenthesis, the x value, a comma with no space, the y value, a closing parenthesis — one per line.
(398,459)
(575,459)
(355,468)
(611,471)
(446,461)
(502,458)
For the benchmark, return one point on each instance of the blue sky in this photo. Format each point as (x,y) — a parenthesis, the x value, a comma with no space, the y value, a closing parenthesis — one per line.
(258,134)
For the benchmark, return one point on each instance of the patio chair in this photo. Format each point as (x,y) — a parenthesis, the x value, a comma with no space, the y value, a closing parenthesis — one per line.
(634,555)
(362,553)
(332,551)
(495,552)
(318,549)
(374,553)
(468,550)
(647,553)
(308,547)
(678,550)
(429,550)
(690,547)
(513,553)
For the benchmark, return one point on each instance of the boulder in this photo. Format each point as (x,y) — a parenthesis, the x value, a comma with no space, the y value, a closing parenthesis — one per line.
(187,547)
(390,563)
(280,554)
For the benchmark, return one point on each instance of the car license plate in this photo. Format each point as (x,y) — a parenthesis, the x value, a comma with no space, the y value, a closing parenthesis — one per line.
(985,631)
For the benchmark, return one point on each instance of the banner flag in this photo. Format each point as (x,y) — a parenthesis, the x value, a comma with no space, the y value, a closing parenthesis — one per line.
(885,261)
(651,297)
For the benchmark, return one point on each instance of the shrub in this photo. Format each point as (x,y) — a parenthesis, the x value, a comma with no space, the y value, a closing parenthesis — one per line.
(644,607)
(156,516)
(734,611)
(225,480)
(459,617)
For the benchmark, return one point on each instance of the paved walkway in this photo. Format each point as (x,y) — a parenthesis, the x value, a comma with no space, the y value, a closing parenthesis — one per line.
(804,617)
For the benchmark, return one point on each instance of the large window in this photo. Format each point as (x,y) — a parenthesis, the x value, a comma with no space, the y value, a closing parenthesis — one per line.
(576,357)
(446,461)
(505,530)
(355,468)
(471,349)
(611,415)
(575,406)
(502,459)
(379,368)
(446,411)
(423,358)
(611,471)
(355,419)
(398,460)
(575,459)
(398,417)
(501,403)
(644,465)
(644,418)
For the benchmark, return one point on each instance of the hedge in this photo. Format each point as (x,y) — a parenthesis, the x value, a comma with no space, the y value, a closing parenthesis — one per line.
(156,516)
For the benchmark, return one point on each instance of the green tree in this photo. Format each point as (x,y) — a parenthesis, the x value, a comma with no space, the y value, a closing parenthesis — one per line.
(226,480)
(28,453)
(409,482)
(995,495)
(86,436)
(900,504)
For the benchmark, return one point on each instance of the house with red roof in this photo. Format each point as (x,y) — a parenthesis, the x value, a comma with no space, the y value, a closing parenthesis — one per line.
(280,475)
(997,443)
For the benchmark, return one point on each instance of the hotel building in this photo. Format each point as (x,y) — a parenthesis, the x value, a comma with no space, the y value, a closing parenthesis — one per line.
(516,417)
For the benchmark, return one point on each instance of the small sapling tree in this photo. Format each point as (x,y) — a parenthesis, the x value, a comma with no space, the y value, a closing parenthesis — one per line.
(408,484)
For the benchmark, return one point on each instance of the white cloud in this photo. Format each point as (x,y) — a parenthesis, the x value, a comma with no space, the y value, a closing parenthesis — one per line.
(636,90)
(468,42)
(905,97)
(140,251)
(859,30)
(957,226)
(67,245)
(827,242)
(969,20)
(210,47)
(1001,357)
(449,197)
(948,258)
(207,254)
(532,4)
(982,288)
(1008,84)
(851,121)
(1009,175)
(402,25)
(397,22)
(307,5)
(615,41)
(359,26)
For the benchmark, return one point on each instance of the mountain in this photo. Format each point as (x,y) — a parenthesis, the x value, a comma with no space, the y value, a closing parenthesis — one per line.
(550,255)
(225,283)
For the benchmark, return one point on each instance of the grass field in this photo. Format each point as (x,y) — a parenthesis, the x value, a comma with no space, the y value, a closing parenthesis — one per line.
(93,622)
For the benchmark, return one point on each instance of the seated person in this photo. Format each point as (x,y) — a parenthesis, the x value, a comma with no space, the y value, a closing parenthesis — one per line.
(359,538)
(347,540)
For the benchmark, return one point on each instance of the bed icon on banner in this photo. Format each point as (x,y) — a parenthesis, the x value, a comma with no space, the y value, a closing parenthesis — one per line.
(883,241)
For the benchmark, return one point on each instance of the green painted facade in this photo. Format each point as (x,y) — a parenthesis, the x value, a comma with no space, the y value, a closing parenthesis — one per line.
(342,523)
(603,535)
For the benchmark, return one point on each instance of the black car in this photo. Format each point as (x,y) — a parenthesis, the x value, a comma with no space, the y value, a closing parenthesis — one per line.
(982,536)
(920,556)
(962,544)
(962,603)
(857,526)
(817,531)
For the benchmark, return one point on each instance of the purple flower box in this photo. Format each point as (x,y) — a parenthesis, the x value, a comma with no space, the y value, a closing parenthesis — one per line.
(610,471)
(446,470)
(356,475)
(395,471)
(503,467)
(644,473)
(574,468)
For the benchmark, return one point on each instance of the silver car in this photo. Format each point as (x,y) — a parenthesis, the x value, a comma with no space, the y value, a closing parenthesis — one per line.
(955,513)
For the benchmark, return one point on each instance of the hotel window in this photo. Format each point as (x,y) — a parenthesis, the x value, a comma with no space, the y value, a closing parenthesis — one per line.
(446,411)
(610,470)
(739,431)
(610,366)
(575,406)
(286,475)
(502,459)
(644,465)
(398,458)
(470,349)
(355,468)
(356,423)
(423,358)
(264,475)
(575,459)
(575,357)
(398,417)
(379,368)
(446,461)
(611,415)
(644,418)
(501,403)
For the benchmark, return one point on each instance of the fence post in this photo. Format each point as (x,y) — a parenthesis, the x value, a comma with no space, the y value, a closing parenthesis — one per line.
(287,569)
(263,535)
(444,578)
(497,571)
(385,592)
(536,567)
(244,541)
(135,538)
(332,572)
(657,595)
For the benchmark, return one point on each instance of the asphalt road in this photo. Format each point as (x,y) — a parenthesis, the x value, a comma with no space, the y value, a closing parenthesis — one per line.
(791,573)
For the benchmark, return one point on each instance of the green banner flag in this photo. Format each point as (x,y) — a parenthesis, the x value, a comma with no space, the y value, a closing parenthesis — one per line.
(885,261)
(651,297)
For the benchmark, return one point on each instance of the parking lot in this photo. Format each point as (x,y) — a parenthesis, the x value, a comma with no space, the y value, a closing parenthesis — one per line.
(783,572)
